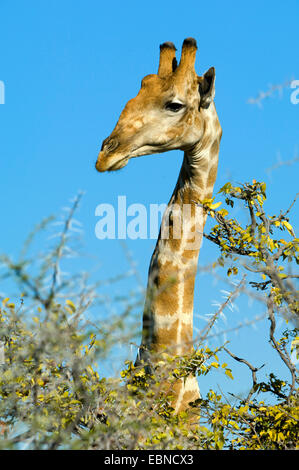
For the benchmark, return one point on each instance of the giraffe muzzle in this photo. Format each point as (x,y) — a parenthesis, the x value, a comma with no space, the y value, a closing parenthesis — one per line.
(106,163)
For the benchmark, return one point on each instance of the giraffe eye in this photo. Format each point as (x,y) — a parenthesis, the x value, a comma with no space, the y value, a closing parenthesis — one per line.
(174,106)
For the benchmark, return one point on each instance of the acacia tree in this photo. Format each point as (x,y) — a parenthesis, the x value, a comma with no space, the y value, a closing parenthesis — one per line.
(54,394)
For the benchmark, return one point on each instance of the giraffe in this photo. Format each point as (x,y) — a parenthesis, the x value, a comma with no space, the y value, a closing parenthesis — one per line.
(174,109)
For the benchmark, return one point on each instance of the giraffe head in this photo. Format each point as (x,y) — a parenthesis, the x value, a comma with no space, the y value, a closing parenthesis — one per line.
(169,112)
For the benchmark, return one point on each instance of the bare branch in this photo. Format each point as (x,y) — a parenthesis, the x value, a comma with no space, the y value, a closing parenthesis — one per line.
(253,371)
(276,346)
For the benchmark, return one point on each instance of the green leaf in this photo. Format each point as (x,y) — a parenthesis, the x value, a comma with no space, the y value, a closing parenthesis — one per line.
(228,372)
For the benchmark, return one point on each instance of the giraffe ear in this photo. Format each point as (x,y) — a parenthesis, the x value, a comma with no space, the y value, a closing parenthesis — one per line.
(206,88)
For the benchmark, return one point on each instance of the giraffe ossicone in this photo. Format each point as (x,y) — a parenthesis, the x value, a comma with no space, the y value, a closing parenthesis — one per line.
(173,110)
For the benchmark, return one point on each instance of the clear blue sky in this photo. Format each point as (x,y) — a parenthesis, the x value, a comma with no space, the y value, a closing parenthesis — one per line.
(70,66)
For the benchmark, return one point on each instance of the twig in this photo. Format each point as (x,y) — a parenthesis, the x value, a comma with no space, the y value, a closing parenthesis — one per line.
(60,248)
(253,372)
(283,355)
(204,333)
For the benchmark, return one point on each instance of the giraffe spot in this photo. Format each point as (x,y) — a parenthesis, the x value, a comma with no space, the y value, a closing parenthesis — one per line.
(172,134)
(180,129)
(166,295)
(212,176)
(207,140)
(198,121)
(204,166)
(214,148)
(172,228)
(190,253)
(130,128)
(189,290)
(186,337)
(189,396)
(199,181)
(166,338)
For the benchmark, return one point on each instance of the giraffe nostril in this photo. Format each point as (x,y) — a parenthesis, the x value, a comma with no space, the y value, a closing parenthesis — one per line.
(109,144)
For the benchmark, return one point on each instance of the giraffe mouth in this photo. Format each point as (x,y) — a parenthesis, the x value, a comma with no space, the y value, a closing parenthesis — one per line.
(103,164)
(118,165)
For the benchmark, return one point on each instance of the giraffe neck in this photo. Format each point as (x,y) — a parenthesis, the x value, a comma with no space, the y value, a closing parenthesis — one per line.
(168,312)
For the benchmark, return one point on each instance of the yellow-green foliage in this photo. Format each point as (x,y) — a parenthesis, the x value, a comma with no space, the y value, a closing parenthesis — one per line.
(53,392)
(53,396)
(260,241)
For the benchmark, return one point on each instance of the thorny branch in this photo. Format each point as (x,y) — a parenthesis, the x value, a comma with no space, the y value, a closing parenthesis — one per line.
(283,354)
(251,367)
